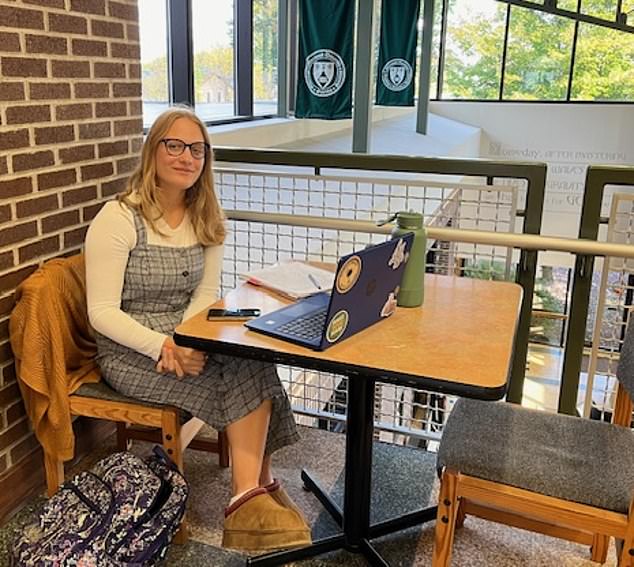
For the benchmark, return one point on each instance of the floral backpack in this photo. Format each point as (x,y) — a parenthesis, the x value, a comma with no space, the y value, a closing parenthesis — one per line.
(123,512)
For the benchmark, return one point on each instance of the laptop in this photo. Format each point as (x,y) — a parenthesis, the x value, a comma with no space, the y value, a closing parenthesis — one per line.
(365,288)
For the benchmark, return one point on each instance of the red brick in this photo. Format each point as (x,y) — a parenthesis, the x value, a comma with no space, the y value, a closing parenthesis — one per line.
(6,260)
(37,206)
(5,213)
(123,11)
(28,114)
(15,187)
(37,249)
(113,148)
(15,412)
(61,220)
(11,280)
(112,187)
(133,32)
(106,29)
(77,153)
(9,394)
(23,448)
(109,70)
(23,19)
(47,3)
(92,90)
(73,111)
(96,171)
(89,6)
(126,89)
(126,165)
(11,91)
(56,179)
(13,234)
(81,195)
(134,71)
(136,144)
(46,44)
(23,67)
(49,91)
(67,24)
(54,135)
(6,354)
(75,237)
(67,69)
(109,109)
(7,303)
(4,165)
(14,139)
(9,42)
(135,108)
(35,160)
(8,374)
(14,433)
(125,50)
(90,48)
(124,127)
(94,130)
(89,212)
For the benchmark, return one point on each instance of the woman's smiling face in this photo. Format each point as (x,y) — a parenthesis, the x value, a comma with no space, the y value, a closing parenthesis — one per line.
(179,173)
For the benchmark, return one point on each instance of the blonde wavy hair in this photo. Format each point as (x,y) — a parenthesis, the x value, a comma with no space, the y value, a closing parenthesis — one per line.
(207,217)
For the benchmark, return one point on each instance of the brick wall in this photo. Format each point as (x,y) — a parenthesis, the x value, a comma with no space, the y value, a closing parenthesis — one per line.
(70,133)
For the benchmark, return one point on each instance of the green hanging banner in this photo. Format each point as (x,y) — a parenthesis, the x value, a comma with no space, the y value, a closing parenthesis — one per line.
(324,77)
(397,53)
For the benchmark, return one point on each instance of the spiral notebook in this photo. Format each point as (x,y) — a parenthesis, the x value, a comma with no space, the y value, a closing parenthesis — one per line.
(292,279)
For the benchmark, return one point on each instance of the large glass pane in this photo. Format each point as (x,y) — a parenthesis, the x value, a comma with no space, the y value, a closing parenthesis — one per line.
(264,57)
(154,83)
(538,57)
(605,9)
(475,32)
(604,65)
(213,38)
(435,48)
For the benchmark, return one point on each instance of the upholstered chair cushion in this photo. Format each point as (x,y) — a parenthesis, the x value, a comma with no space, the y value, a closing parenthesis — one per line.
(576,459)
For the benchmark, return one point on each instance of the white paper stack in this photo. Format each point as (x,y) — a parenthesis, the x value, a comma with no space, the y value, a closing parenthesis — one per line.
(292,279)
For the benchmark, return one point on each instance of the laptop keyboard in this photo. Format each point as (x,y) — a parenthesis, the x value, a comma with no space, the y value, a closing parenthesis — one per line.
(309,327)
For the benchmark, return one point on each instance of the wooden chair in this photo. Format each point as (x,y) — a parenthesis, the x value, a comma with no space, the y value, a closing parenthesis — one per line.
(134,419)
(564,476)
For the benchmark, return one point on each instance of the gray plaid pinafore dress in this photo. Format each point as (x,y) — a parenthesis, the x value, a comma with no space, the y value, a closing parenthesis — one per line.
(158,285)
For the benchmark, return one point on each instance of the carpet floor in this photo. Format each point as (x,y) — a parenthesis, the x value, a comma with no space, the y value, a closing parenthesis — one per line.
(404,479)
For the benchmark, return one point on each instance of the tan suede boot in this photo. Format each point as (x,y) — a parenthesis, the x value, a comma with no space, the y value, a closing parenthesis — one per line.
(276,490)
(257,522)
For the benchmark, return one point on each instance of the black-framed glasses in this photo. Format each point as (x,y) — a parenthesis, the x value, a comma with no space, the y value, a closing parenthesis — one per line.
(176,147)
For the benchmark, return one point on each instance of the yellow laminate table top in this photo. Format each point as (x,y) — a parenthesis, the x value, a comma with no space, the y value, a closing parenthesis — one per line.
(459,341)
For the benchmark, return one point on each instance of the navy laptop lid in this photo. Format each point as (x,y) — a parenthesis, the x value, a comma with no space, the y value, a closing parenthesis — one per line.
(365,288)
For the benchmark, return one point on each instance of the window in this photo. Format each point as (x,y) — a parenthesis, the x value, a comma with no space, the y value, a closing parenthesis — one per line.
(213,38)
(264,57)
(154,82)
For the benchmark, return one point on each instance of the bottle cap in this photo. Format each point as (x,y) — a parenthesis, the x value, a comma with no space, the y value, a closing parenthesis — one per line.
(409,219)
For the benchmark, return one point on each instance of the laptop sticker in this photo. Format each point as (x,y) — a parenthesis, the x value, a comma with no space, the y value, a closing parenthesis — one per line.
(348,274)
(337,326)
(390,304)
(398,256)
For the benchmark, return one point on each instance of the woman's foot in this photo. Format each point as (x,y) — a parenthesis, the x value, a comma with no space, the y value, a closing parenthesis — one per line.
(258,522)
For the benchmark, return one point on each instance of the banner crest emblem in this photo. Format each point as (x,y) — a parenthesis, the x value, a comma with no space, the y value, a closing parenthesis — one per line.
(397,74)
(324,72)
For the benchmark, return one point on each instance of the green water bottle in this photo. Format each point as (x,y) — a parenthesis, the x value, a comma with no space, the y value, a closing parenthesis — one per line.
(412,286)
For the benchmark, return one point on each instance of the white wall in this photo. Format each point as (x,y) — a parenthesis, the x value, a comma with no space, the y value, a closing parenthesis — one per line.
(568,137)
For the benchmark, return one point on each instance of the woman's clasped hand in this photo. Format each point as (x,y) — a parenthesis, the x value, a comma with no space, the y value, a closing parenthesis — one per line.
(181,361)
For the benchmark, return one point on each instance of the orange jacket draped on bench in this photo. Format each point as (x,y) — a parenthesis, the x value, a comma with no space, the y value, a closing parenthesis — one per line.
(54,349)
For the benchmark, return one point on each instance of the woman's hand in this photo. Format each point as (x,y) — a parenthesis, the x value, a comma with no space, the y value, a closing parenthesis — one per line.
(180,360)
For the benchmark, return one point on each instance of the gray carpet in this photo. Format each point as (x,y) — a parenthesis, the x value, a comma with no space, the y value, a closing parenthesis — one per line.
(403,480)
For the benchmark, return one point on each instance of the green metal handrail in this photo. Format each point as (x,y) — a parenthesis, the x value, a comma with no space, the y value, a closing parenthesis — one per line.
(534,173)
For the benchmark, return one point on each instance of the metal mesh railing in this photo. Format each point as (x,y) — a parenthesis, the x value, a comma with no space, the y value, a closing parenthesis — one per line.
(319,399)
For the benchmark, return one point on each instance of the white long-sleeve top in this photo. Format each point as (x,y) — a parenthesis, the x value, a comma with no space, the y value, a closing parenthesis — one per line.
(110,238)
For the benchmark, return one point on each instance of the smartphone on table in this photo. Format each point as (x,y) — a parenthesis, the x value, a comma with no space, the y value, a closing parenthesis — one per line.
(242,314)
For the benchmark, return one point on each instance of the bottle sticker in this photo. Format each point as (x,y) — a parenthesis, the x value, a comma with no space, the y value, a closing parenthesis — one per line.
(337,326)
(349,274)
(390,304)
(399,255)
